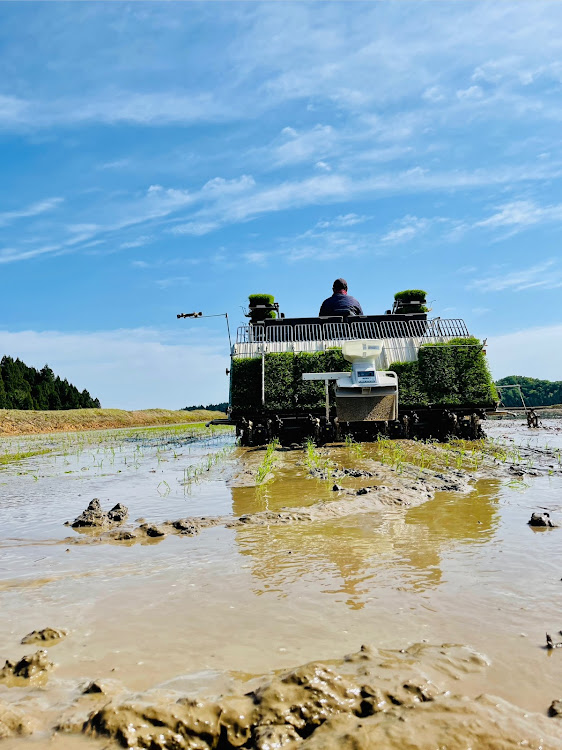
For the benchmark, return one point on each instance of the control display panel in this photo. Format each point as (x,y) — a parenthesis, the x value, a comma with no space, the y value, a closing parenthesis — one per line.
(368,377)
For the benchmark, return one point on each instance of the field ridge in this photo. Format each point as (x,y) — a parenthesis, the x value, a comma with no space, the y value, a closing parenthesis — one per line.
(27,422)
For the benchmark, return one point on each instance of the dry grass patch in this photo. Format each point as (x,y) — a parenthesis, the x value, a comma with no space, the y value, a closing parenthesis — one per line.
(15,422)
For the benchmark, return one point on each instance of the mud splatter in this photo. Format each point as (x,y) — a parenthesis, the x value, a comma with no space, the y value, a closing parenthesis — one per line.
(49,636)
(550,644)
(32,669)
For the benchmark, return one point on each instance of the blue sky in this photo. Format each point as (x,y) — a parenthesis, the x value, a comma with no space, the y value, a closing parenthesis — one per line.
(167,157)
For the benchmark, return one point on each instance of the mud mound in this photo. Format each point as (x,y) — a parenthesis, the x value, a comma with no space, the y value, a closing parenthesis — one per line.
(448,723)
(50,636)
(32,669)
(371,699)
(542,520)
(93,517)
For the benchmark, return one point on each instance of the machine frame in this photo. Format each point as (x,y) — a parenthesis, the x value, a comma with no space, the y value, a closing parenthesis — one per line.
(399,338)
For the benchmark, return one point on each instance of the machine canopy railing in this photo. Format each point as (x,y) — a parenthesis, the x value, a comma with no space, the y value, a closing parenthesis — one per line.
(392,329)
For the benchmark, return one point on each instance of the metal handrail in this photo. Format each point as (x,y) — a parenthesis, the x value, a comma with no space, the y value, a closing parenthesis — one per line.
(436,329)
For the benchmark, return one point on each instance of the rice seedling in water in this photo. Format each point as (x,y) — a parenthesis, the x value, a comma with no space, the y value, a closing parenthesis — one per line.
(163,488)
(9,458)
(268,462)
(313,457)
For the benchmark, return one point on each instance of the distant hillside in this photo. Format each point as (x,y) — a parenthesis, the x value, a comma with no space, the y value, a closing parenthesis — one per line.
(536,392)
(23,387)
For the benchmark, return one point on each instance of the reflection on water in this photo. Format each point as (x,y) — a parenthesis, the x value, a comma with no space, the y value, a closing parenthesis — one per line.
(350,555)
(449,518)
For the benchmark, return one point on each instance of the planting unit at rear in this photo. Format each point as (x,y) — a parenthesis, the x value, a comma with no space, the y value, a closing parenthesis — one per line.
(399,374)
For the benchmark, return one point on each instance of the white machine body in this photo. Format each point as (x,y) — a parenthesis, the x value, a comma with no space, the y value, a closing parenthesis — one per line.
(378,390)
(362,355)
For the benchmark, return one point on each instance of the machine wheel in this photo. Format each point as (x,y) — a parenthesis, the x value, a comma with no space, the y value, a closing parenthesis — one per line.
(476,431)
(314,428)
(395,429)
(406,424)
(336,430)
(247,435)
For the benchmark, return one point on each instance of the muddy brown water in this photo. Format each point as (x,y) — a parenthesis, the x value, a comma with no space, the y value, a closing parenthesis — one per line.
(207,615)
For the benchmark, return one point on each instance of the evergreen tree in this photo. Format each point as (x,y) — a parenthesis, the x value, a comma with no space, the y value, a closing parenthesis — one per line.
(23,387)
(18,389)
(2,392)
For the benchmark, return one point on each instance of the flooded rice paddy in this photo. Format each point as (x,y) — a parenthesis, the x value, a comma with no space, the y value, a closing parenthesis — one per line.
(267,578)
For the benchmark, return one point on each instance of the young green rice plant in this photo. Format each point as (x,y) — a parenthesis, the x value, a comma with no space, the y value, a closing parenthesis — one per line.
(358,449)
(20,455)
(268,462)
(312,456)
(164,488)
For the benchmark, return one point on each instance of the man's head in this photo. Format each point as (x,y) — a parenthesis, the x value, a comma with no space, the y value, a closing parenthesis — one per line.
(339,286)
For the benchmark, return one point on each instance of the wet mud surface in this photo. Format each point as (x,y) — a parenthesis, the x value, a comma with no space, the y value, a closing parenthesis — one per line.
(372,698)
(187,588)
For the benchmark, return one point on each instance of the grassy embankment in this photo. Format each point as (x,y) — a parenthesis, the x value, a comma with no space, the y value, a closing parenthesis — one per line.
(16,422)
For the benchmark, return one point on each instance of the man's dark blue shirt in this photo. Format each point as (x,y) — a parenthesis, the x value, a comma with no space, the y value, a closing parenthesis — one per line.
(339,304)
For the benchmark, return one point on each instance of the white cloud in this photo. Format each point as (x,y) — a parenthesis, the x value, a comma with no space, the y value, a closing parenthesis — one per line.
(113,106)
(195,228)
(522,213)
(219,187)
(7,217)
(168,199)
(309,145)
(256,258)
(83,228)
(544,275)
(220,202)
(116,164)
(408,228)
(343,220)
(471,93)
(12,255)
(272,198)
(173,281)
(533,352)
(12,109)
(328,244)
(479,311)
(434,94)
(139,242)
(169,373)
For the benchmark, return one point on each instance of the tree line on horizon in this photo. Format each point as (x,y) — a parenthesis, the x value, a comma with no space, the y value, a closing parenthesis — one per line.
(536,392)
(223,406)
(23,387)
